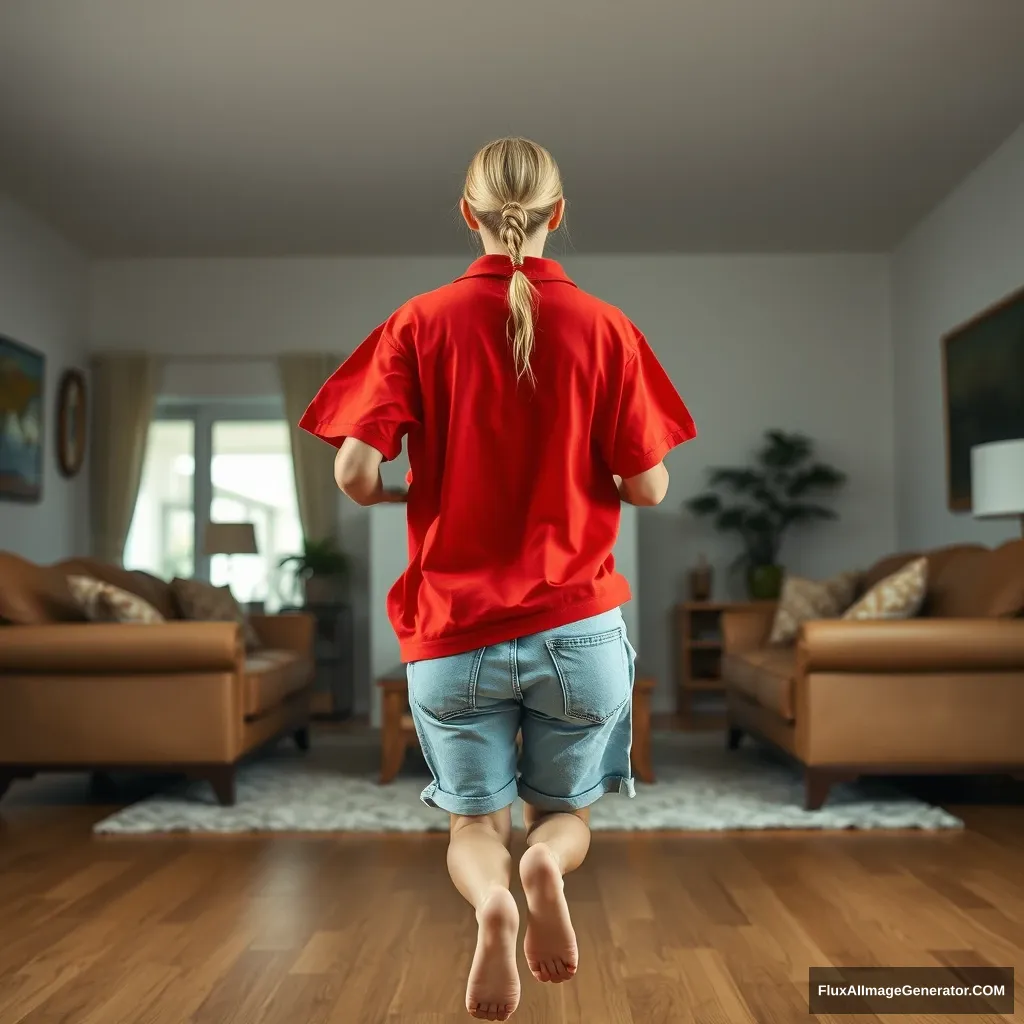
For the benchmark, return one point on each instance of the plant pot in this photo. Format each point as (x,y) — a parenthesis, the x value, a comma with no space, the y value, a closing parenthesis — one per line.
(764,582)
(324,589)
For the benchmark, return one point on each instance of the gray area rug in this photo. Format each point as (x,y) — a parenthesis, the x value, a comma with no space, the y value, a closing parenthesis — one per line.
(701,787)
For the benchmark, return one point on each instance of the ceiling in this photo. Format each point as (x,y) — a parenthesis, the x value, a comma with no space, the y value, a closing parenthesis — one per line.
(276,127)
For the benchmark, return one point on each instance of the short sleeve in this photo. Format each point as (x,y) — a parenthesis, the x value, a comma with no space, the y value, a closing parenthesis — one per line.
(648,418)
(373,396)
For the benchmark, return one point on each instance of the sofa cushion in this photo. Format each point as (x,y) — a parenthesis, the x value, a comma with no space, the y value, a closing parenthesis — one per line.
(270,677)
(199,601)
(155,591)
(34,595)
(899,596)
(991,586)
(803,600)
(764,676)
(103,602)
(882,568)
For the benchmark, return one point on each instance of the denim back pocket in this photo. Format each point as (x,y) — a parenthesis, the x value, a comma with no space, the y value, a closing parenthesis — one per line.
(446,687)
(595,673)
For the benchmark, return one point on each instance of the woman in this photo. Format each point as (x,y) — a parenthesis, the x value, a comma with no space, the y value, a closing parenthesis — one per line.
(531,409)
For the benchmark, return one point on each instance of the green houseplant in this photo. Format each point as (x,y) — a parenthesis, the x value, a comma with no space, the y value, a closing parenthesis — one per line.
(322,570)
(761,502)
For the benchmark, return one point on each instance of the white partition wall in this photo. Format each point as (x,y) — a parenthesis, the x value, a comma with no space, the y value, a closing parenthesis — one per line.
(388,560)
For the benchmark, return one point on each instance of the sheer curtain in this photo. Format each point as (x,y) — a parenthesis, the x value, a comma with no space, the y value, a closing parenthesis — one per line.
(313,461)
(123,399)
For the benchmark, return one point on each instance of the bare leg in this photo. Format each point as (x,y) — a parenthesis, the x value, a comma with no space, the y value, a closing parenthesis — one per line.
(480,866)
(557,843)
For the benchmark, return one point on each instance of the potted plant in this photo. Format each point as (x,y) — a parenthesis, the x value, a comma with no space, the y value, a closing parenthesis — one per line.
(322,569)
(761,503)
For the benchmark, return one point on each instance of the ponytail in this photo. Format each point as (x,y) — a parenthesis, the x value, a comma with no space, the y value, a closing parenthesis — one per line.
(522,295)
(512,186)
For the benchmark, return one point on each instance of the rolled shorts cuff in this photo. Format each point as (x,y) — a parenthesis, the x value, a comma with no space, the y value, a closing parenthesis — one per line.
(609,784)
(433,796)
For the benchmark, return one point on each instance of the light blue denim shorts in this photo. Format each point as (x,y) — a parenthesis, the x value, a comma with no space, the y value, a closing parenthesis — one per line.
(570,691)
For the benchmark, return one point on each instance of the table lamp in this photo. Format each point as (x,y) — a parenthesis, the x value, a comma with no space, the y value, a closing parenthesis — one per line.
(230,539)
(997,480)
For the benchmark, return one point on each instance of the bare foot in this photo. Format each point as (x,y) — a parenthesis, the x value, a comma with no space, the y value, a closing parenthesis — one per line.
(493,989)
(550,944)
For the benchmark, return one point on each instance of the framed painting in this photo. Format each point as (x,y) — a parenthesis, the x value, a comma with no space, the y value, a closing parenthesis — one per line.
(983,386)
(22,377)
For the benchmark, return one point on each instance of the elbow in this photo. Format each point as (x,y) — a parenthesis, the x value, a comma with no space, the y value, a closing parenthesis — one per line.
(354,481)
(648,497)
(648,489)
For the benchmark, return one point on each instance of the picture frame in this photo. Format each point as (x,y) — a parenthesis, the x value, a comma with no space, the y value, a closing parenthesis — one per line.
(983,389)
(22,415)
(72,422)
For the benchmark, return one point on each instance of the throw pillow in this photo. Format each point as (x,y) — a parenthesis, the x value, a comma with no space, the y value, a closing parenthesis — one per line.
(103,602)
(802,600)
(203,602)
(899,596)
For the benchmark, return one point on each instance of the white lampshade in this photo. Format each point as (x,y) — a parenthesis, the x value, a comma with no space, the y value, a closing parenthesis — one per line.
(997,479)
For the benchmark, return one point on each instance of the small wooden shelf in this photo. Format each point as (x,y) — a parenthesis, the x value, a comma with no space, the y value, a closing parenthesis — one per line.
(699,647)
(704,685)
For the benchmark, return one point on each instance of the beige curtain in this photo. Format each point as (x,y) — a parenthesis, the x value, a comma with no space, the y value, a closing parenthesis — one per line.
(123,398)
(301,378)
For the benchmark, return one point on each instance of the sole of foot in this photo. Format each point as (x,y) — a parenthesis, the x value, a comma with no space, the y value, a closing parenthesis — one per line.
(550,943)
(493,989)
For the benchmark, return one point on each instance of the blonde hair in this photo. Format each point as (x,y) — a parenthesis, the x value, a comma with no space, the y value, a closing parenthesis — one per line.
(512,186)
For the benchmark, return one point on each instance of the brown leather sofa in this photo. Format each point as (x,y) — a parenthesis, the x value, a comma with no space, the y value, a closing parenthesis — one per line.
(177,696)
(938,694)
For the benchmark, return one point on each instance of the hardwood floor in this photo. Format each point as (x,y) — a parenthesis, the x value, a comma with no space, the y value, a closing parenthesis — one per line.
(364,929)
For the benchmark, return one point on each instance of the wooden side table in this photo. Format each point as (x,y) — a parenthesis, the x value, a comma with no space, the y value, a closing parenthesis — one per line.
(698,643)
(398,733)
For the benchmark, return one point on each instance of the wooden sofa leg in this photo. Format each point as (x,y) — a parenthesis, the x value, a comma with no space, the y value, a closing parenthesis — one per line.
(222,779)
(733,737)
(818,782)
(301,737)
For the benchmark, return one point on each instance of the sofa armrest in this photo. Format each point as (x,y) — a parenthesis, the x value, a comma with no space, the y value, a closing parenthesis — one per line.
(92,648)
(912,645)
(293,631)
(747,629)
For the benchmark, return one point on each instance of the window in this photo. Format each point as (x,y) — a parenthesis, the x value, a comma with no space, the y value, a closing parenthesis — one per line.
(161,539)
(233,459)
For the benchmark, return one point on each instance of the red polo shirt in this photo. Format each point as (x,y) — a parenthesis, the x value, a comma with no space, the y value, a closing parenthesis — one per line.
(512,511)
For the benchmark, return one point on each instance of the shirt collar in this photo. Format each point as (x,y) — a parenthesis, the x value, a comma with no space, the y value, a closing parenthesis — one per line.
(534,267)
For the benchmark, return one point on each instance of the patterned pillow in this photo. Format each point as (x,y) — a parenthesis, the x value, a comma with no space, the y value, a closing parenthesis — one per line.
(203,602)
(803,600)
(899,596)
(103,602)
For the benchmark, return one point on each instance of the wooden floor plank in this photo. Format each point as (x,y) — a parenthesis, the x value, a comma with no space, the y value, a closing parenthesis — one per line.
(360,929)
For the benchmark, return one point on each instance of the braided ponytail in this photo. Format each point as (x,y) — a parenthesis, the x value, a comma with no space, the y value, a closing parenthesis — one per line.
(512,187)
(521,293)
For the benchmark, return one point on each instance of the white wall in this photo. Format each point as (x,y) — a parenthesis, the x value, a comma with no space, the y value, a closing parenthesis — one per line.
(966,255)
(43,300)
(799,342)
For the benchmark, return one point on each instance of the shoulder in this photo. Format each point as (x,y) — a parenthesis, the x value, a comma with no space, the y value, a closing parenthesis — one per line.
(424,309)
(604,320)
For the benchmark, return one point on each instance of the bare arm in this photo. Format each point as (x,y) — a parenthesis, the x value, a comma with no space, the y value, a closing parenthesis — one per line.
(647,488)
(357,474)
